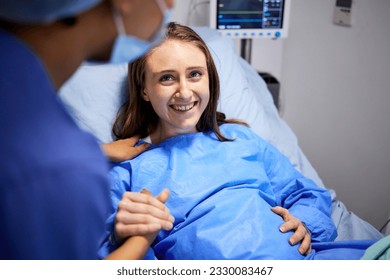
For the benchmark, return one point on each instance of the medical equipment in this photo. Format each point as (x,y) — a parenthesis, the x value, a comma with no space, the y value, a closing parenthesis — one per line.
(342,13)
(95,92)
(250,18)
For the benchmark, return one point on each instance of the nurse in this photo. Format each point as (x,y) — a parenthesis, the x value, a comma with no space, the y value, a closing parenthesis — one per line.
(233,195)
(54,190)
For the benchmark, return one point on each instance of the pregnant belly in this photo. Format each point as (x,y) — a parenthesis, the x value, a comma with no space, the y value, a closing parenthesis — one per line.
(231,224)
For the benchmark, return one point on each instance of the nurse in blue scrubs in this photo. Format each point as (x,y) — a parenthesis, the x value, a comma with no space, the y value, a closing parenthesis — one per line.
(54,188)
(232,194)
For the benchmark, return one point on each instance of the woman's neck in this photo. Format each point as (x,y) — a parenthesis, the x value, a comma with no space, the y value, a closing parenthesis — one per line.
(161,134)
(157,136)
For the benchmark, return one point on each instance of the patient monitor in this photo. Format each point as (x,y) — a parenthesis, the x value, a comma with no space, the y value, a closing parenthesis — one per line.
(250,18)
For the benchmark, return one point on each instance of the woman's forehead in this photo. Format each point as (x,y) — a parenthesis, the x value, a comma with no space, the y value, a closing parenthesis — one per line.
(176,53)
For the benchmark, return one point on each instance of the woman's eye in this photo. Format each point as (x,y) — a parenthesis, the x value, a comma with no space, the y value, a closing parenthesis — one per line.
(166,78)
(195,74)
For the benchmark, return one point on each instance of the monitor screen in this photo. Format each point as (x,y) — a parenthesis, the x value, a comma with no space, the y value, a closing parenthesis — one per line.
(250,18)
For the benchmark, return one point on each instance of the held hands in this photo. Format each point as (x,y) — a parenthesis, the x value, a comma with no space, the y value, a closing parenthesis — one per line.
(124,149)
(301,233)
(142,214)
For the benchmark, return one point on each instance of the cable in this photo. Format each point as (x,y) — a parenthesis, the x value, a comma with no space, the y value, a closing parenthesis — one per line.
(384,226)
(194,4)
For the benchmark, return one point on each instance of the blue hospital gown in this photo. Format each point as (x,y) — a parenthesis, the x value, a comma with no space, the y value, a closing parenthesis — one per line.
(221,195)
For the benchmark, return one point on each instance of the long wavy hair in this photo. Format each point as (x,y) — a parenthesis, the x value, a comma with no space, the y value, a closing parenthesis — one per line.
(137,116)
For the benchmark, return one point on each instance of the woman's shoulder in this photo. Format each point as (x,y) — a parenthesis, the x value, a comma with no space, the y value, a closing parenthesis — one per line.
(237,130)
(242,132)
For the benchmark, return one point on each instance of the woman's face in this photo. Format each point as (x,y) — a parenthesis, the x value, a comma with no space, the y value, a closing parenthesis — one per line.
(177,86)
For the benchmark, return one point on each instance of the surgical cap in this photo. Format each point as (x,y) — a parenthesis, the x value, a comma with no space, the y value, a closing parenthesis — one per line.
(42,11)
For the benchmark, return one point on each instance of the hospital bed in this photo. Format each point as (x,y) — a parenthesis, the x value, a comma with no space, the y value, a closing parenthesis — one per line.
(94,94)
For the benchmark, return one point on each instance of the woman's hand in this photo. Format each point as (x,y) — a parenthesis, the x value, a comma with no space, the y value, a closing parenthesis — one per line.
(124,149)
(301,233)
(139,224)
(142,214)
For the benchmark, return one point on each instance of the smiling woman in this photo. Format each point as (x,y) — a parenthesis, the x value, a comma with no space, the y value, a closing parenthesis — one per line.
(177,86)
(232,194)
(174,89)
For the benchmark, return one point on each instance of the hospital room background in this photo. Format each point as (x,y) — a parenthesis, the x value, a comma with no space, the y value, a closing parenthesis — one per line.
(332,118)
(334,94)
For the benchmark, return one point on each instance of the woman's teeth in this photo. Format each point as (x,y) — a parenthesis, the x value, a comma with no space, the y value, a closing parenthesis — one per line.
(183,107)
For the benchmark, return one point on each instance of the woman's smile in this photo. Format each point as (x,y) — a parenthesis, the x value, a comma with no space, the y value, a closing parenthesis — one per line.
(183,108)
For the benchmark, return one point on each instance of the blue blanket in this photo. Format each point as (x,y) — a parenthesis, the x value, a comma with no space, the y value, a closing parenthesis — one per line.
(221,196)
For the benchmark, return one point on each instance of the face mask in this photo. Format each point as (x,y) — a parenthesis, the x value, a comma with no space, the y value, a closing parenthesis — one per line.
(128,48)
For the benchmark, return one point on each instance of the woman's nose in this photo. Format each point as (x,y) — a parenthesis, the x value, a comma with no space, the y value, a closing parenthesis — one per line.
(184,91)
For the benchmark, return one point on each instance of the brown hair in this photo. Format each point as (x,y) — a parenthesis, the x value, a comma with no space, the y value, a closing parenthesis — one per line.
(137,117)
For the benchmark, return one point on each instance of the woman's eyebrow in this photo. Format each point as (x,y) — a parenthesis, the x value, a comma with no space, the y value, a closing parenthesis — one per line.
(169,71)
(197,68)
(164,71)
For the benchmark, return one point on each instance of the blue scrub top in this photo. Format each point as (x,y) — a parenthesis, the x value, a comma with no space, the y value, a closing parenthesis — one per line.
(54,195)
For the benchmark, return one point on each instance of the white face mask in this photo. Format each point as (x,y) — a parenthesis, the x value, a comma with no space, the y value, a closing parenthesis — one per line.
(128,48)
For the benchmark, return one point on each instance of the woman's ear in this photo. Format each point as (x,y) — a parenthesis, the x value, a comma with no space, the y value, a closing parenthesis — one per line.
(145,96)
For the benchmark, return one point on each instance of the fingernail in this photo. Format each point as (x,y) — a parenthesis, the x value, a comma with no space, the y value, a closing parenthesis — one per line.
(168,226)
(281,229)
(145,191)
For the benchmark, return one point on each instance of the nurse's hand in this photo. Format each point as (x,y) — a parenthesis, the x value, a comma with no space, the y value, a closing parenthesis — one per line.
(142,214)
(124,149)
(301,233)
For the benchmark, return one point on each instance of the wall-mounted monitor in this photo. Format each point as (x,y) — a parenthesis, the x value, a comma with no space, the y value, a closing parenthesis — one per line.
(250,18)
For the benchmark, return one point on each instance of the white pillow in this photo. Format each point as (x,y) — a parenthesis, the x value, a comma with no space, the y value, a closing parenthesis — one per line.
(93,96)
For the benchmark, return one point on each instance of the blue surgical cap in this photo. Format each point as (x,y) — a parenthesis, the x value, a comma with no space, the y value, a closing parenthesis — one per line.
(42,11)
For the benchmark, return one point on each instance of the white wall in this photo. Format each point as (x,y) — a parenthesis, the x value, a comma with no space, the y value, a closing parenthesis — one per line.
(335,94)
